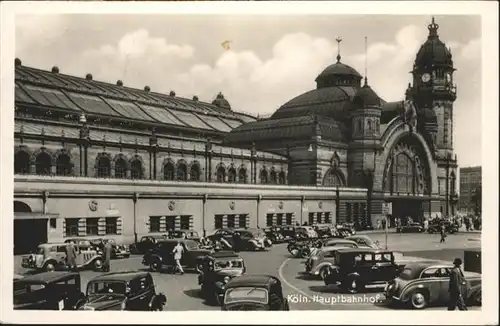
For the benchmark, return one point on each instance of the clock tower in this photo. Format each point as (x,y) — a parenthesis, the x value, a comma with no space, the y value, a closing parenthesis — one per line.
(433,90)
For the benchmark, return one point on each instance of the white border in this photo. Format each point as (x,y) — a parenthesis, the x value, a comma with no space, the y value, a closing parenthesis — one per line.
(489,14)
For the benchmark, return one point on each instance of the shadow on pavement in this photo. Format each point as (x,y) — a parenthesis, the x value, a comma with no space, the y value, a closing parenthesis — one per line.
(196,294)
(307,277)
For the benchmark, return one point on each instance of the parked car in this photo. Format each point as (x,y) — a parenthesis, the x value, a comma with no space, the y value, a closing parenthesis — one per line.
(355,268)
(251,239)
(83,244)
(52,256)
(324,230)
(161,255)
(185,234)
(48,291)
(317,264)
(123,291)
(413,227)
(305,232)
(146,243)
(216,270)
(118,250)
(449,227)
(300,248)
(288,232)
(254,292)
(274,234)
(425,283)
(346,229)
(364,241)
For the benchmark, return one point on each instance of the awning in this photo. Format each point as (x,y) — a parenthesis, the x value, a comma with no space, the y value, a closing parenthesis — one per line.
(34,215)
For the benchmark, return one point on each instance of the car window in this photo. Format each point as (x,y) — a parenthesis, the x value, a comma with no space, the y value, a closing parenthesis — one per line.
(445,272)
(252,294)
(330,253)
(143,239)
(53,249)
(368,257)
(106,288)
(61,249)
(431,272)
(358,258)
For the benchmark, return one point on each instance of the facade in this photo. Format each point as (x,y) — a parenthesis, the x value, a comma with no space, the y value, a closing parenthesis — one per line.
(97,159)
(470,184)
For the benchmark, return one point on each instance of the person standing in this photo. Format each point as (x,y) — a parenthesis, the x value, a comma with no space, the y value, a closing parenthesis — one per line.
(457,281)
(108,248)
(71,255)
(178,252)
(426,225)
(236,242)
(443,233)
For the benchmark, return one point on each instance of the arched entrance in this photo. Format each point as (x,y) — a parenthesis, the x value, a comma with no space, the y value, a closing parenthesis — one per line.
(407,178)
(30,229)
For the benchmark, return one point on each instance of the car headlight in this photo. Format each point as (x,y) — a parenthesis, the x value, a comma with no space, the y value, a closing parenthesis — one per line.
(227,279)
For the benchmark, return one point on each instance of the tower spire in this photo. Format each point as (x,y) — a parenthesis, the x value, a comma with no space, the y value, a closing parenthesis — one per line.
(366,60)
(338,39)
(433,27)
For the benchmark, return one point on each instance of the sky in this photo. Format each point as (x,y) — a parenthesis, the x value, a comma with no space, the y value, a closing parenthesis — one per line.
(271,59)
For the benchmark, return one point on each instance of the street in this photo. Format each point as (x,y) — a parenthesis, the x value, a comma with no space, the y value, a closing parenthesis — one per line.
(182,291)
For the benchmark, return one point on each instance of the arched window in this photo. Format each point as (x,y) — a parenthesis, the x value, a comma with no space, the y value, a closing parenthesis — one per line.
(168,171)
(273,178)
(281,178)
(221,174)
(231,175)
(242,175)
(103,167)
(21,207)
(22,163)
(332,179)
(136,169)
(194,173)
(63,165)
(403,174)
(120,168)
(181,172)
(263,177)
(43,163)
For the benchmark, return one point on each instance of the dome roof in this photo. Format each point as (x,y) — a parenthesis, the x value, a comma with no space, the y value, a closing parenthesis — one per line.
(367,96)
(338,69)
(221,102)
(327,101)
(433,51)
(338,74)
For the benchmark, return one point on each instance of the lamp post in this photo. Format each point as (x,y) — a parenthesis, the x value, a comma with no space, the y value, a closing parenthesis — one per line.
(448,159)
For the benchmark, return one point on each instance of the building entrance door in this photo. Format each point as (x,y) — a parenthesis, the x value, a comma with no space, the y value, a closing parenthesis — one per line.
(28,234)
(408,207)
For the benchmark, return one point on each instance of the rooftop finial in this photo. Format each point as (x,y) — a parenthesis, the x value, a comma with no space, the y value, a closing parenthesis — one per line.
(366,60)
(433,27)
(338,39)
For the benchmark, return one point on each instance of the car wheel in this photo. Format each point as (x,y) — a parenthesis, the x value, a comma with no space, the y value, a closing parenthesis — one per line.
(154,266)
(49,267)
(418,300)
(98,264)
(352,285)
(156,306)
(323,272)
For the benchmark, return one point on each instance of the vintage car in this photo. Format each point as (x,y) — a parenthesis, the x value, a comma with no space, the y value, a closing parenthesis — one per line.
(250,239)
(48,291)
(346,229)
(364,241)
(317,264)
(411,227)
(426,283)
(161,256)
(118,250)
(274,234)
(325,230)
(52,256)
(300,248)
(185,234)
(357,268)
(450,227)
(254,292)
(305,232)
(216,270)
(123,291)
(146,243)
(288,232)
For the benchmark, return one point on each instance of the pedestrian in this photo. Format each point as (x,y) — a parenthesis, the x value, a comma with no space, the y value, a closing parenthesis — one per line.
(236,241)
(108,248)
(71,255)
(443,233)
(456,287)
(379,225)
(178,252)
(426,225)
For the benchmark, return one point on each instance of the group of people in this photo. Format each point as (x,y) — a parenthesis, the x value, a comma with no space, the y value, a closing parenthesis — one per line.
(72,252)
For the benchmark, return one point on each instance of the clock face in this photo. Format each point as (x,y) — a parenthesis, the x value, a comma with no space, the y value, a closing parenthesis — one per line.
(426,77)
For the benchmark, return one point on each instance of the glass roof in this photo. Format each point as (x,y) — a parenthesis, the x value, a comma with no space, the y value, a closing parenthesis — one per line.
(161,115)
(232,123)
(190,119)
(215,123)
(92,104)
(50,97)
(21,96)
(128,109)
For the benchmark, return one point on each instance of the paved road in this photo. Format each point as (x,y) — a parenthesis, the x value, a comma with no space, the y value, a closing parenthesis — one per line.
(183,290)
